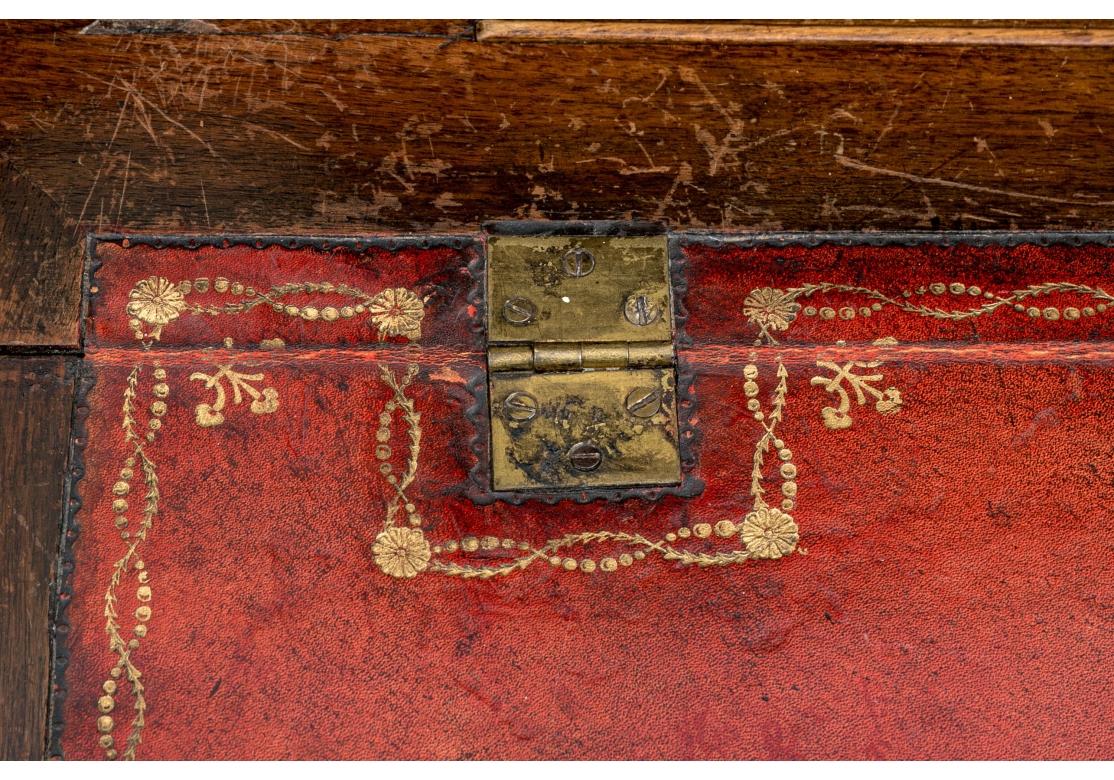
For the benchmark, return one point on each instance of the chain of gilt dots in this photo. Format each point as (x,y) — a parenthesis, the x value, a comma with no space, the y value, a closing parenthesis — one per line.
(383,452)
(469,544)
(957,288)
(106,703)
(787,469)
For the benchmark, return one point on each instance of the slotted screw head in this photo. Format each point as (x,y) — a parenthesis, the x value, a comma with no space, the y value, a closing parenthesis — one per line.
(641,310)
(578,262)
(585,456)
(644,401)
(520,406)
(519,311)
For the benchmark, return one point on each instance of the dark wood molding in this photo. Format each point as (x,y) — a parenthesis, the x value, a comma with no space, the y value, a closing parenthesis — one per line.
(322,28)
(40,267)
(910,33)
(36,395)
(168,133)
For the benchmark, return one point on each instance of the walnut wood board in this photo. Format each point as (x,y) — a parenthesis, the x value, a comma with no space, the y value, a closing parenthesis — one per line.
(766,32)
(35,406)
(320,134)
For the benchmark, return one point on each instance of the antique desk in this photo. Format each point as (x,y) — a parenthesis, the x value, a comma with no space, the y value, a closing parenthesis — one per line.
(556,390)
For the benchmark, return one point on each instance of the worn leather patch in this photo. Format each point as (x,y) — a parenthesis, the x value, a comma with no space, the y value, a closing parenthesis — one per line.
(899,551)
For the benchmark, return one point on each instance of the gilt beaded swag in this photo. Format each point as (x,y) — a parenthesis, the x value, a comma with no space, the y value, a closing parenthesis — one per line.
(174,319)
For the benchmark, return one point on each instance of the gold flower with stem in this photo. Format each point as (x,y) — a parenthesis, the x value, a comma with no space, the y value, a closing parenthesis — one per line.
(890,401)
(397,312)
(770,309)
(769,533)
(155,301)
(401,552)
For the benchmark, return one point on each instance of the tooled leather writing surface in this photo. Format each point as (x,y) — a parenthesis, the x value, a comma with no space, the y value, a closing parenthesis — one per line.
(316,582)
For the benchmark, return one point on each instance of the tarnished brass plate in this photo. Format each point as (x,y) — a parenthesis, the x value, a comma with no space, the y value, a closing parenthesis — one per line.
(578,289)
(583,430)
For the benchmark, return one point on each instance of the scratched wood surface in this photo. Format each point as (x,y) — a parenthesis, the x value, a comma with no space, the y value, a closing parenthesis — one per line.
(40,258)
(937,32)
(35,405)
(355,127)
(309,133)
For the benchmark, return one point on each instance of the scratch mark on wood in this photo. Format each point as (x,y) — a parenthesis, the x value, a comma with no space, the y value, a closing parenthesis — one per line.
(848,162)
(276,134)
(886,130)
(983,147)
(150,27)
(205,203)
(85,206)
(123,188)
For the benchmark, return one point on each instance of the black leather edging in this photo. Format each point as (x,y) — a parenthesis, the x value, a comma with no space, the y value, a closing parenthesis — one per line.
(266,241)
(62,587)
(845,238)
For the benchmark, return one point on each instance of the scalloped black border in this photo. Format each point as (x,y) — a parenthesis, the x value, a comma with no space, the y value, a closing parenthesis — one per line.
(62,588)
(266,241)
(977,238)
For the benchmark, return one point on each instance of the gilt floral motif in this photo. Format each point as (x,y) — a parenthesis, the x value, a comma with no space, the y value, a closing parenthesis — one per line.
(263,401)
(397,312)
(401,552)
(770,309)
(154,301)
(843,377)
(768,532)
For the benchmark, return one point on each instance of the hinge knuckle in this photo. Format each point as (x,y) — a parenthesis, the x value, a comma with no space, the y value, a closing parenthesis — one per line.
(510,358)
(605,355)
(649,354)
(558,357)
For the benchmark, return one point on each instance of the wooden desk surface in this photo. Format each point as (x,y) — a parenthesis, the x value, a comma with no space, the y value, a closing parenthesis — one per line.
(358,127)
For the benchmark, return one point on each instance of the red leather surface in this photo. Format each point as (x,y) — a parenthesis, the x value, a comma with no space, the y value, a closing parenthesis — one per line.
(721,275)
(440,273)
(950,596)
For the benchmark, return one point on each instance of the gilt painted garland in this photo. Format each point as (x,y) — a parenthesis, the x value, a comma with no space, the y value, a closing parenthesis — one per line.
(402,550)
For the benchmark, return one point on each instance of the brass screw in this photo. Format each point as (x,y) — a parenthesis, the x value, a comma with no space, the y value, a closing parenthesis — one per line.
(519,311)
(585,456)
(640,310)
(644,401)
(520,406)
(578,262)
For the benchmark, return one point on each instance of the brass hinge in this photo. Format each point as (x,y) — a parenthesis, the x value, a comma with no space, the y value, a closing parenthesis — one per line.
(573,357)
(581,367)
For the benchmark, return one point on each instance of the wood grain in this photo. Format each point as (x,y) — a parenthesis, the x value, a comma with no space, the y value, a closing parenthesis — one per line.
(35,402)
(441,28)
(226,132)
(303,134)
(40,267)
(915,34)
